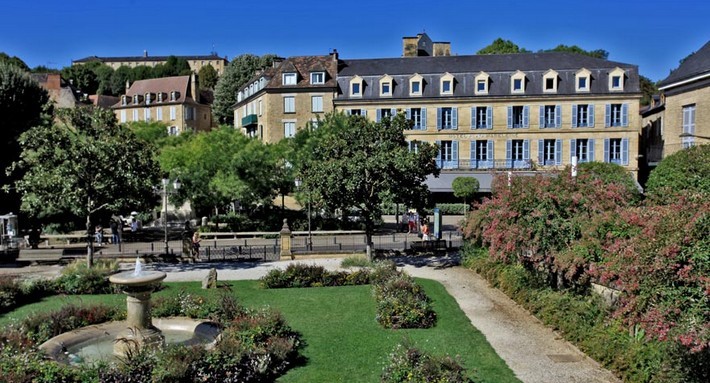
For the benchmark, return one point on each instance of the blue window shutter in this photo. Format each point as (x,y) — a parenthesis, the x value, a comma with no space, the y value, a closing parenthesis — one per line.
(489,117)
(526,149)
(455,154)
(607,115)
(590,145)
(510,117)
(558,116)
(509,153)
(393,112)
(472,154)
(363,112)
(473,117)
(438,154)
(542,116)
(526,116)
(423,119)
(624,114)
(590,120)
(455,118)
(574,115)
(408,113)
(438,118)
(378,117)
(625,151)
(490,155)
(606,150)
(572,149)
(558,152)
(541,152)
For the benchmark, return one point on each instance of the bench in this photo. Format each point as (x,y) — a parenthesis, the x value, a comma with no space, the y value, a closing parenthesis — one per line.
(41,255)
(428,246)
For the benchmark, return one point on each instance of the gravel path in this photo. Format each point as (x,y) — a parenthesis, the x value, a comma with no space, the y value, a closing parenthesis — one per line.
(534,352)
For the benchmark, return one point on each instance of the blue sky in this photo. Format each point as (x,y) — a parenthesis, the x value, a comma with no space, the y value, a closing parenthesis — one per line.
(652,34)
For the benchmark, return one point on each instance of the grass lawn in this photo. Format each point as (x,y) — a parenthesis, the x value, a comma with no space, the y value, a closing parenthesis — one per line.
(344,343)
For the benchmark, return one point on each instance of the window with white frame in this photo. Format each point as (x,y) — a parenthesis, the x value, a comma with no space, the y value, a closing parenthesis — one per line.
(481,150)
(261,108)
(413,146)
(616,115)
(615,150)
(481,82)
(124,100)
(159,113)
(148,98)
(173,113)
(416,85)
(583,79)
(517,82)
(550,116)
(173,130)
(447,84)
(356,85)
(417,117)
(447,118)
(688,126)
(316,104)
(583,116)
(583,149)
(518,116)
(123,116)
(317,78)
(136,99)
(355,112)
(135,114)
(616,79)
(550,79)
(548,152)
(518,150)
(289,78)
(146,114)
(482,117)
(386,88)
(289,129)
(289,104)
(173,96)
(160,96)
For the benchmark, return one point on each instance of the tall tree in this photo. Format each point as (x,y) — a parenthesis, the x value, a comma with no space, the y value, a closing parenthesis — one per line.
(119,78)
(236,74)
(598,53)
(83,76)
(466,188)
(85,163)
(23,104)
(207,77)
(14,60)
(648,89)
(358,164)
(500,46)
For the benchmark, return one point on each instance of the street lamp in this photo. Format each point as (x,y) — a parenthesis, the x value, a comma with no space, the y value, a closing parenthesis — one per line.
(298,183)
(165,192)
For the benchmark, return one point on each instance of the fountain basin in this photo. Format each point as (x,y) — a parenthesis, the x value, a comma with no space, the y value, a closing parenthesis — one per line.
(93,343)
(134,279)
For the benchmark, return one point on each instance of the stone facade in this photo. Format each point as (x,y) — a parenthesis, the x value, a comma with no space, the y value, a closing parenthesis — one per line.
(195,62)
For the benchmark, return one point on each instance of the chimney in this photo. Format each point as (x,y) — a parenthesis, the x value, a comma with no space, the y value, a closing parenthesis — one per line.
(193,87)
(128,85)
(334,53)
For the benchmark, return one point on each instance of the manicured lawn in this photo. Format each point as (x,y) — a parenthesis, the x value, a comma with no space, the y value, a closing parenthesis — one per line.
(344,342)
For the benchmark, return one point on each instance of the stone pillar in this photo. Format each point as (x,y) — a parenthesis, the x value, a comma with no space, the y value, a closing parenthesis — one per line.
(140,331)
(286,240)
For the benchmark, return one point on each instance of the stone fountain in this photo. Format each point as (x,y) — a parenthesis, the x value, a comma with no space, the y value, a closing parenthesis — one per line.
(140,332)
(112,340)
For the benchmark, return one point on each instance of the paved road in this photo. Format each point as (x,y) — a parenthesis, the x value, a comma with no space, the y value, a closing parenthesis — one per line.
(535,353)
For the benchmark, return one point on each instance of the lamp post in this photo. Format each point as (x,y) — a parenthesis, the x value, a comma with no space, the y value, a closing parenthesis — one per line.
(176,186)
(298,183)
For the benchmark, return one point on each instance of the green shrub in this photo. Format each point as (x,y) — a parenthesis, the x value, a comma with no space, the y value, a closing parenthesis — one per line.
(77,278)
(684,173)
(41,327)
(401,303)
(355,261)
(302,275)
(407,364)
(9,292)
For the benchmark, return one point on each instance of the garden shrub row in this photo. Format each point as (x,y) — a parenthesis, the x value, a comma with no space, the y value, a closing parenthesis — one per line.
(303,275)
(401,302)
(587,322)
(256,346)
(409,364)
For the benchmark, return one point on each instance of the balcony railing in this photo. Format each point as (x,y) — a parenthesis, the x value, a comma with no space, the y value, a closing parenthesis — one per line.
(250,119)
(484,165)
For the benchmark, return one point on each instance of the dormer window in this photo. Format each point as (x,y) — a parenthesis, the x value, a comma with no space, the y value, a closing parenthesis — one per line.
(124,100)
(549,81)
(416,85)
(356,87)
(239,96)
(616,79)
(136,99)
(517,82)
(583,79)
(289,78)
(173,96)
(148,98)
(160,96)
(386,86)
(317,78)
(481,82)
(447,84)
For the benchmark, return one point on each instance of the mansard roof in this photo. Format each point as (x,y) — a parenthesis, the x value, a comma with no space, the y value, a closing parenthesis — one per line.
(695,65)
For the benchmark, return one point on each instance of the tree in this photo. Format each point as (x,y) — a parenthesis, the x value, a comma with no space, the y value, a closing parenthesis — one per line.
(14,60)
(648,89)
(84,164)
(597,53)
(236,74)
(119,78)
(83,76)
(207,77)
(104,73)
(358,164)
(466,188)
(142,72)
(610,173)
(684,173)
(154,133)
(500,46)
(23,104)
